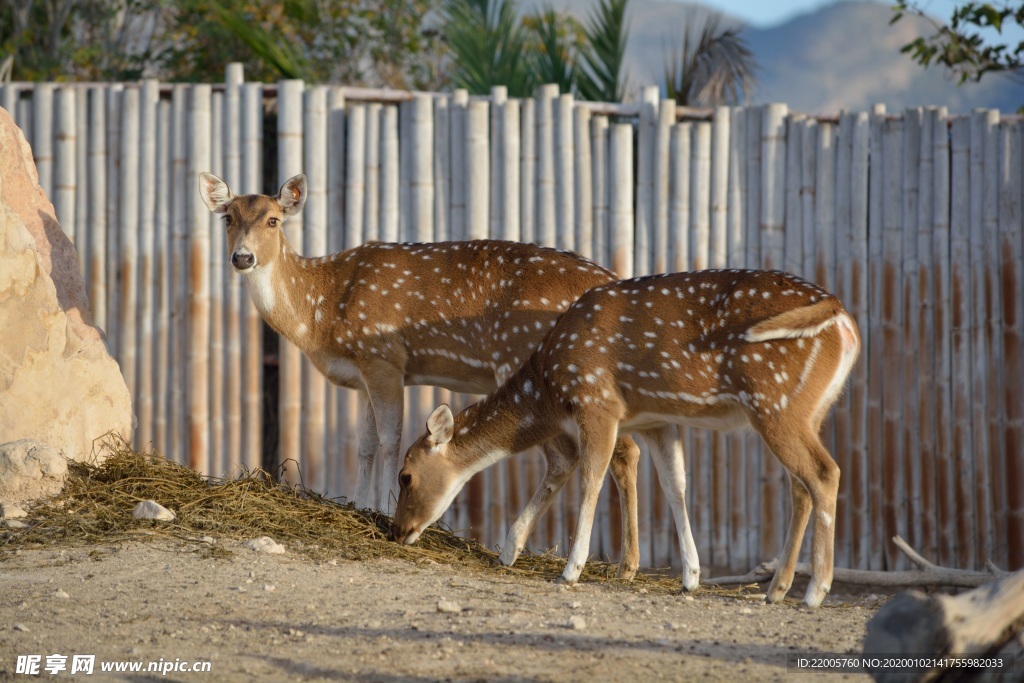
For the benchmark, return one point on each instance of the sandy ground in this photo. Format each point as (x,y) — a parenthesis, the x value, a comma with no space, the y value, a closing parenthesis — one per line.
(256,616)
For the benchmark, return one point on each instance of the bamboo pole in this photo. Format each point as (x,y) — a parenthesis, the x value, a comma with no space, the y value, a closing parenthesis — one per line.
(824,241)
(985,351)
(773,173)
(960,318)
(856,303)
(113,259)
(850,473)
(66,163)
(499,97)
(82,232)
(795,244)
(442,170)
(355,176)
(599,195)
(700,196)
(718,244)
(98,207)
(679,197)
(565,209)
(527,171)
(128,252)
(477,169)
(179,323)
(1011,273)
(371,178)
(874,347)
(908,284)
(666,118)
(946,476)
(752,246)
(199,113)
(894,475)
(457,157)
(545,227)
(229,282)
(162,252)
(645,154)
(251,182)
(9,95)
(421,167)
(736,221)
(583,183)
(215,230)
(24,117)
(342,404)
(149,101)
(42,135)
(314,244)
(620,198)
(389,178)
(289,163)
(815,137)
(925,342)
(510,180)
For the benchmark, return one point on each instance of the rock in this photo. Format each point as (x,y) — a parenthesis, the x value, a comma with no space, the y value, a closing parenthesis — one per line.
(20,627)
(12,511)
(269,588)
(61,594)
(448,606)
(58,383)
(265,544)
(577,623)
(28,468)
(150,509)
(14,524)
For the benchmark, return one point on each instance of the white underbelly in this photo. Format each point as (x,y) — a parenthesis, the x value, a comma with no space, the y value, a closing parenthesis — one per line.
(734,419)
(465,385)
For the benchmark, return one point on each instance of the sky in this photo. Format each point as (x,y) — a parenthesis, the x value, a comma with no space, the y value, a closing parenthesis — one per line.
(763,13)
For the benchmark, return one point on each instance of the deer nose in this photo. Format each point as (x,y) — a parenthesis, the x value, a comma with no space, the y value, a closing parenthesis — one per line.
(242,260)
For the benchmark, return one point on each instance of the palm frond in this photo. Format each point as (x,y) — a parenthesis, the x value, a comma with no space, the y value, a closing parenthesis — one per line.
(273,50)
(711,66)
(488,45)
(555,52)
(602,77)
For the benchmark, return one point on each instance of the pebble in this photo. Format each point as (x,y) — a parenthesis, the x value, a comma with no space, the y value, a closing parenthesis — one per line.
(11,511)
(265,544)
(14,524)
(688,598)
(269,588)
(207,539)
(150,509)
(448,606)
(746,610)
(21,627)
(577,623)
(62,594)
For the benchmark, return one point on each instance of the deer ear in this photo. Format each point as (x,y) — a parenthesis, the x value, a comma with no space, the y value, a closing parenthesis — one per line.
(441,425)
(215,192)
(293,195)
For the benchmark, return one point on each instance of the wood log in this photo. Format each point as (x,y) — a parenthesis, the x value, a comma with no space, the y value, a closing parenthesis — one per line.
(986,623)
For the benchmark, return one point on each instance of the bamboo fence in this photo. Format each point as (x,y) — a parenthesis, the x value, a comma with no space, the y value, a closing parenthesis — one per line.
(912,218)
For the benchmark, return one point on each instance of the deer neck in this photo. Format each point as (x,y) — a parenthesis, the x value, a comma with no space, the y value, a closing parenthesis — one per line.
(291,293)
(515,417)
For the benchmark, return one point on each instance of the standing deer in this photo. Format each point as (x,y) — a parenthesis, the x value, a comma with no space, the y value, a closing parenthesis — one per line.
(717,349)
(458,315)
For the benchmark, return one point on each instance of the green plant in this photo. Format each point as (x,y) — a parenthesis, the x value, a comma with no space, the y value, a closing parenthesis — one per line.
(710,66)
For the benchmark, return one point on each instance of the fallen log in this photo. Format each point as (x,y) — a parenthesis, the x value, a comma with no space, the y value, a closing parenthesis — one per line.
(974,636)
(928,574)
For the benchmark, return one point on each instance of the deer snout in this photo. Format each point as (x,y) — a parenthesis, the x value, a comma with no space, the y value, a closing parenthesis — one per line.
(403,534)
(243,260)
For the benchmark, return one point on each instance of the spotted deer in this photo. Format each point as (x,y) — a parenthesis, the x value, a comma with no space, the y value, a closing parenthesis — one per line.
(458,315)
(717,349)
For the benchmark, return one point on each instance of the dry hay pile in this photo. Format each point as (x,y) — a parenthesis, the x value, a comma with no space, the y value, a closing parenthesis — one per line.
(97,501)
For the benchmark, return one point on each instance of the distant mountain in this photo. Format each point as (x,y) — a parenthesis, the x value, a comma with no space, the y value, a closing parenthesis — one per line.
(843,56)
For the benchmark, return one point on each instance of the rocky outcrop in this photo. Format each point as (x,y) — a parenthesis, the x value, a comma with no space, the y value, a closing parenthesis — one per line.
(58,384)
(29,470)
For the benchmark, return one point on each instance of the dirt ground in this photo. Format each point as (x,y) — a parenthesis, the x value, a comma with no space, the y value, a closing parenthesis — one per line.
(287,617)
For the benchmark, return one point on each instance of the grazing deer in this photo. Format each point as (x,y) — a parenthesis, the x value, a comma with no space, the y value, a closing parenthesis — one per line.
(459,315)
(716,349)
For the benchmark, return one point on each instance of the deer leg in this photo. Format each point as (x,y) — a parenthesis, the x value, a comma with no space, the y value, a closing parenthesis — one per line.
(367,453)
(814,483)
(623,468)
(561,459)
(386,389)
(596,443)
(670,463)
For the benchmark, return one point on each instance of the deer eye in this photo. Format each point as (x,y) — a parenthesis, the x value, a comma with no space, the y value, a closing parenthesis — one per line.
(273,222)
(228,222)
(405,480)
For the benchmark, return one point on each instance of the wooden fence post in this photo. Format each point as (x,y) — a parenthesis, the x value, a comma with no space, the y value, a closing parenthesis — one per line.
(163,261)
(128,253)
(149,101)
(42,134)
(477,177)
(65,186)
(229,281)
(251,182)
